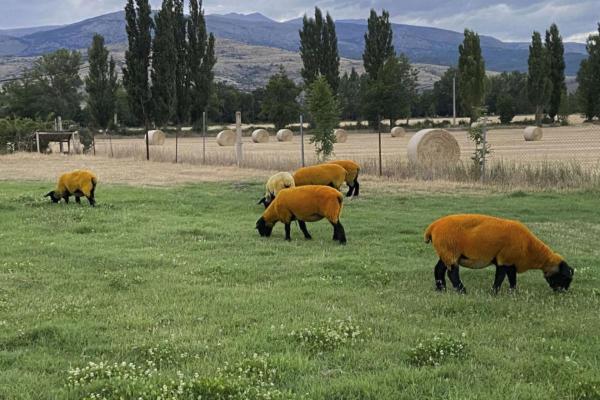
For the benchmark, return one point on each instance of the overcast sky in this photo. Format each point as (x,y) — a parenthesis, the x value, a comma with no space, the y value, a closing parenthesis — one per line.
(508,20)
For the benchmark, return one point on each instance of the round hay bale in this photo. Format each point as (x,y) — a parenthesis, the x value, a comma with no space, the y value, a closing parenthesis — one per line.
(533,133)
(156,137)
(226,138)
(340,135)
(433,146)
(260,136)
(398,131)
(285,135)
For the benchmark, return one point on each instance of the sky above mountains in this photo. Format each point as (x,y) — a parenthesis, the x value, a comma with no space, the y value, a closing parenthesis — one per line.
(510,20)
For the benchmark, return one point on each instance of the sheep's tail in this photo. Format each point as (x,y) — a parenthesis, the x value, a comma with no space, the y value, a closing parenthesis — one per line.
(94,181)
(428,234)
(340,198)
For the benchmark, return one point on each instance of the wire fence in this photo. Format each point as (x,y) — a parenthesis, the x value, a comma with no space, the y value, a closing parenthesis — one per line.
(566,156)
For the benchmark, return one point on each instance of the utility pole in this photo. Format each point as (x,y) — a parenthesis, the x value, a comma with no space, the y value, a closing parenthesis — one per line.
(454,100)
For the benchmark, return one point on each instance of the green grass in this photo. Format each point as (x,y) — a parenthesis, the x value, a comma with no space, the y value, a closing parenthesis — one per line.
(183,271)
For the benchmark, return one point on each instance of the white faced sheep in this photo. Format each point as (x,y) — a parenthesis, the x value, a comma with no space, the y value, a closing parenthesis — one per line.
(281,180)
(477,241)
(75,183)
(352,170)
(305,204)
(323,174)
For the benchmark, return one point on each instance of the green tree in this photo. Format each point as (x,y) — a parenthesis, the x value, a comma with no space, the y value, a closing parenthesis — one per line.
(391,94)
(182,76)
(137,61)
(201,59)
(279,105)
(506,108)
(588,78)
(319,50)
(349,96)
(164,64)
(378,43)
(443,94)
(471,74)
(539,83)
(556,53)
(513,84)
(324,111)
(101,84)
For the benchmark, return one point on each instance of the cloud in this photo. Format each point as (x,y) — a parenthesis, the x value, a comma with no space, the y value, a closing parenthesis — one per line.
(505,19)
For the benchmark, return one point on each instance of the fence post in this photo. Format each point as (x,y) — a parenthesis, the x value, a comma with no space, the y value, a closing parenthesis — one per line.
(302,138)
(94,144)
(238,139)
(203,137)
(176,143)
(37,141)
(379,137)
(484,149)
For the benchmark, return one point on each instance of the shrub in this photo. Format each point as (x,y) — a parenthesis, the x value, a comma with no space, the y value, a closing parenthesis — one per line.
(506,108)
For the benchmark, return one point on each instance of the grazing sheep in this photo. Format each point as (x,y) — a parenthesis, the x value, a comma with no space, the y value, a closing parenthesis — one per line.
(476,241)
(323,174)
(281,180)
(306,204)
(352,171)
(75,183)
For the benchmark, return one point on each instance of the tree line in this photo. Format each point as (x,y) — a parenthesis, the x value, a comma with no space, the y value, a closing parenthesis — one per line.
(168,79)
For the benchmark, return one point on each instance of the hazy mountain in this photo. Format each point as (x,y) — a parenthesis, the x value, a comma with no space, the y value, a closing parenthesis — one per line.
(421,44)
(19,32)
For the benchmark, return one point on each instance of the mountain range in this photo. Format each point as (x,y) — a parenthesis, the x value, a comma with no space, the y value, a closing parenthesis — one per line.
(422,45)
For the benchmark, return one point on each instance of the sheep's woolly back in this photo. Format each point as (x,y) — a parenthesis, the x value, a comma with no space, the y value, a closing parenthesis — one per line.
(281,180)
(78,180)
(306,203)
(324,174)
(351,167)
(474,241)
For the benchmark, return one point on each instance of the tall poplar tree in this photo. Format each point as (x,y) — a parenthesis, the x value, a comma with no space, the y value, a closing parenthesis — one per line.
(319,50)
(101,84)
(556,53)
(164,57)
(137,61)
(182,76)
(539,84)
(201,59)
(379,45)
(471,74)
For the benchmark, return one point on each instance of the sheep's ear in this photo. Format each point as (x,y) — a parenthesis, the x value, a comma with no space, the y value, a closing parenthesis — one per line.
(49,194)
(262,201)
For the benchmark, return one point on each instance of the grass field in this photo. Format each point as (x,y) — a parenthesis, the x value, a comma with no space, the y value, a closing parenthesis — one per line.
(176,282)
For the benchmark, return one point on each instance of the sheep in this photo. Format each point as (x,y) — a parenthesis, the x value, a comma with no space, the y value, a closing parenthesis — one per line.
(78,183)
(352,171)
(280,180)
(323,174)
(477,241)
(306,204)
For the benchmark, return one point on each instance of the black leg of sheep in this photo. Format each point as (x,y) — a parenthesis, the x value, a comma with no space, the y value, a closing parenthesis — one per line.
(356,187)
(454,276)
(350,190)
(499,278)
(338,233)
(439,272)
(512,276)
(287,232)
(302,225)
(66,197)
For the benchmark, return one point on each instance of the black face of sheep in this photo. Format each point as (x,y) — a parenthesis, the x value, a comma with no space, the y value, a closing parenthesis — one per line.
(263,228)
(53,196)
(561,280)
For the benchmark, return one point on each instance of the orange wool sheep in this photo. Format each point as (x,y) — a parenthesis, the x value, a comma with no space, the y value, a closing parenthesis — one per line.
(352,171)
(323,174)
(76,183)
(477,241)
(306,204)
